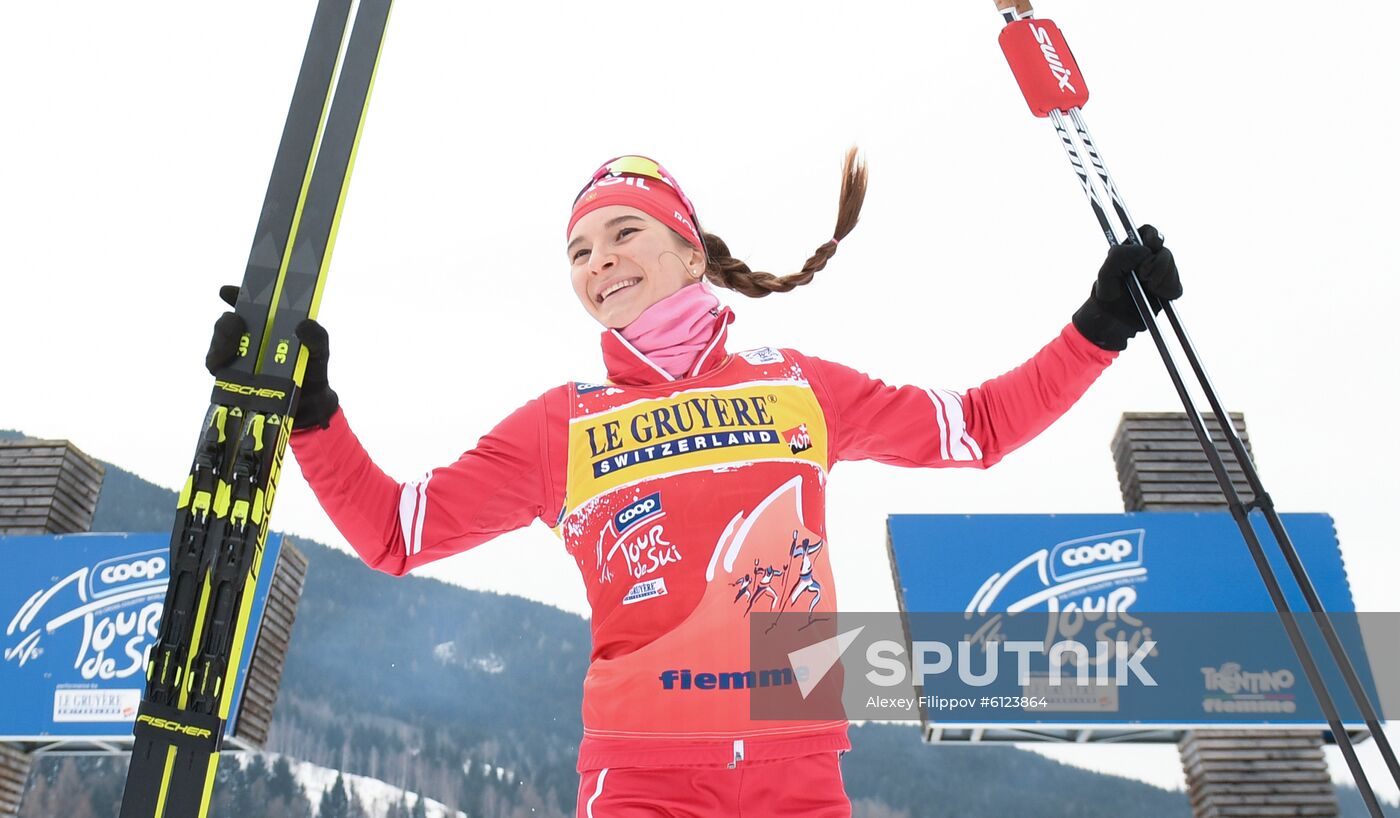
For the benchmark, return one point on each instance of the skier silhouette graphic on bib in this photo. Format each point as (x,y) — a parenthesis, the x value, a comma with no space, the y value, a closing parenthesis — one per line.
(744,582)
(805,581)
(765,584)
(762,577)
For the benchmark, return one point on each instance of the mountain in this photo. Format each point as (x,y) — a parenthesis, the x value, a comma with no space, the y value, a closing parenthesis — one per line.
(473,699)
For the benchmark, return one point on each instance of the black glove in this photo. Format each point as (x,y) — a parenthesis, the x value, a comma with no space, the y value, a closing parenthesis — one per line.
(1109,317)
(318,401)
(223,347)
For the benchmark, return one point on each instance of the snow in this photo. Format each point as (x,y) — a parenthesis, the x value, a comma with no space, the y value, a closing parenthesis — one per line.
(501,773)
(491,663)
(446,653)
(376,796)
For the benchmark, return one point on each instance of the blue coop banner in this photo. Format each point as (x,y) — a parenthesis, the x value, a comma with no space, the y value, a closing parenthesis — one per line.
(1148,618)
(1150,561)
(81,613)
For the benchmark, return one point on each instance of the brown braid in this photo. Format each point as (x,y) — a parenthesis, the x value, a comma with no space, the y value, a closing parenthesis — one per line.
(723,270)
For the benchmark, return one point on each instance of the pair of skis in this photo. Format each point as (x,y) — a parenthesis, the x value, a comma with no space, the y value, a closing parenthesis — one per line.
(1054,88)
(221,522)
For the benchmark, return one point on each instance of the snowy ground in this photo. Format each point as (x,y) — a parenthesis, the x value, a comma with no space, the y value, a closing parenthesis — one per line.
(376,796)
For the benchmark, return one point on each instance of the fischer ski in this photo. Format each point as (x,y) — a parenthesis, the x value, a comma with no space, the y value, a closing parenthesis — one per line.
(223,509)
(1054,88)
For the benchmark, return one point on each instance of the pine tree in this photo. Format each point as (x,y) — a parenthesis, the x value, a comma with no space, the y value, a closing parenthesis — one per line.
(420,807)
(357,808)
(257,766)
(399,809)
(221,805)
(282,783)
(243,781)
(336,802)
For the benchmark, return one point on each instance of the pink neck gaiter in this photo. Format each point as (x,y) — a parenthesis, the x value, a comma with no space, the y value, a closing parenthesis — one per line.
(673,332)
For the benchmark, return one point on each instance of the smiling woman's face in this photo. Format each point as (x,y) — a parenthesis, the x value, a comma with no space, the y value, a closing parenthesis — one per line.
(622,261)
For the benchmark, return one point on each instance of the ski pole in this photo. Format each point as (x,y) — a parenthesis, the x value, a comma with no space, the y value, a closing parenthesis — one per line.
(1264,502)
(1062,72)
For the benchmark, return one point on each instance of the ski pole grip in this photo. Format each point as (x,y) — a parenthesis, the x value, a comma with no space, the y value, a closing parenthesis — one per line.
(1044,67)
(1021,7)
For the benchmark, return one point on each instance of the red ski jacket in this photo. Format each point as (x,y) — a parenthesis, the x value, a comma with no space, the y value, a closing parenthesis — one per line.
(651,480)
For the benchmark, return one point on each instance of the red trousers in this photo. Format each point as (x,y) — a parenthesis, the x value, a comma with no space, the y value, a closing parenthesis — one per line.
(808,786)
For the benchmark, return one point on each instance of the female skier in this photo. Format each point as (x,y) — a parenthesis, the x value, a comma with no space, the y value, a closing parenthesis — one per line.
(687,466)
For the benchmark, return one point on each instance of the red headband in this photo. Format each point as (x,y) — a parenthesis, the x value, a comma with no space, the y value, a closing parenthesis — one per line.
(653,196)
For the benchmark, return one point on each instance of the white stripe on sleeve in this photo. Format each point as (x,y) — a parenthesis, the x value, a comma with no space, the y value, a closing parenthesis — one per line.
(952,425)
(942,423)
(413,509)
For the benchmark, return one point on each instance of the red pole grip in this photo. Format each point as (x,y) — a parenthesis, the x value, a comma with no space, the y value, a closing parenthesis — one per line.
(1044,67)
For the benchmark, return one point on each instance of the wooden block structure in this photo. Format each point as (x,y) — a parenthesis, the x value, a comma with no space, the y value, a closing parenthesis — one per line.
(1161,466)
(1234,773)
(47,487)
(14,772)
(270,653)
(1257,773)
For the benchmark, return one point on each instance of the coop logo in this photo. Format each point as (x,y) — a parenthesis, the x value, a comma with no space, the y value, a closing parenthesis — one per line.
(1052,58)
(584,388)
(132,570)
(1093,573)
(647,508)
(127,572)
(1114,551)
(1096,554)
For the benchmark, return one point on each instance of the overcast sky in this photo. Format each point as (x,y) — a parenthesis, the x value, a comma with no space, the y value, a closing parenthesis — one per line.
(136,143)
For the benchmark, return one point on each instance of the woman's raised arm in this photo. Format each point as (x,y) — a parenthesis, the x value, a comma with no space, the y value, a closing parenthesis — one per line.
(505,482)
(913,426)
(916,426)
